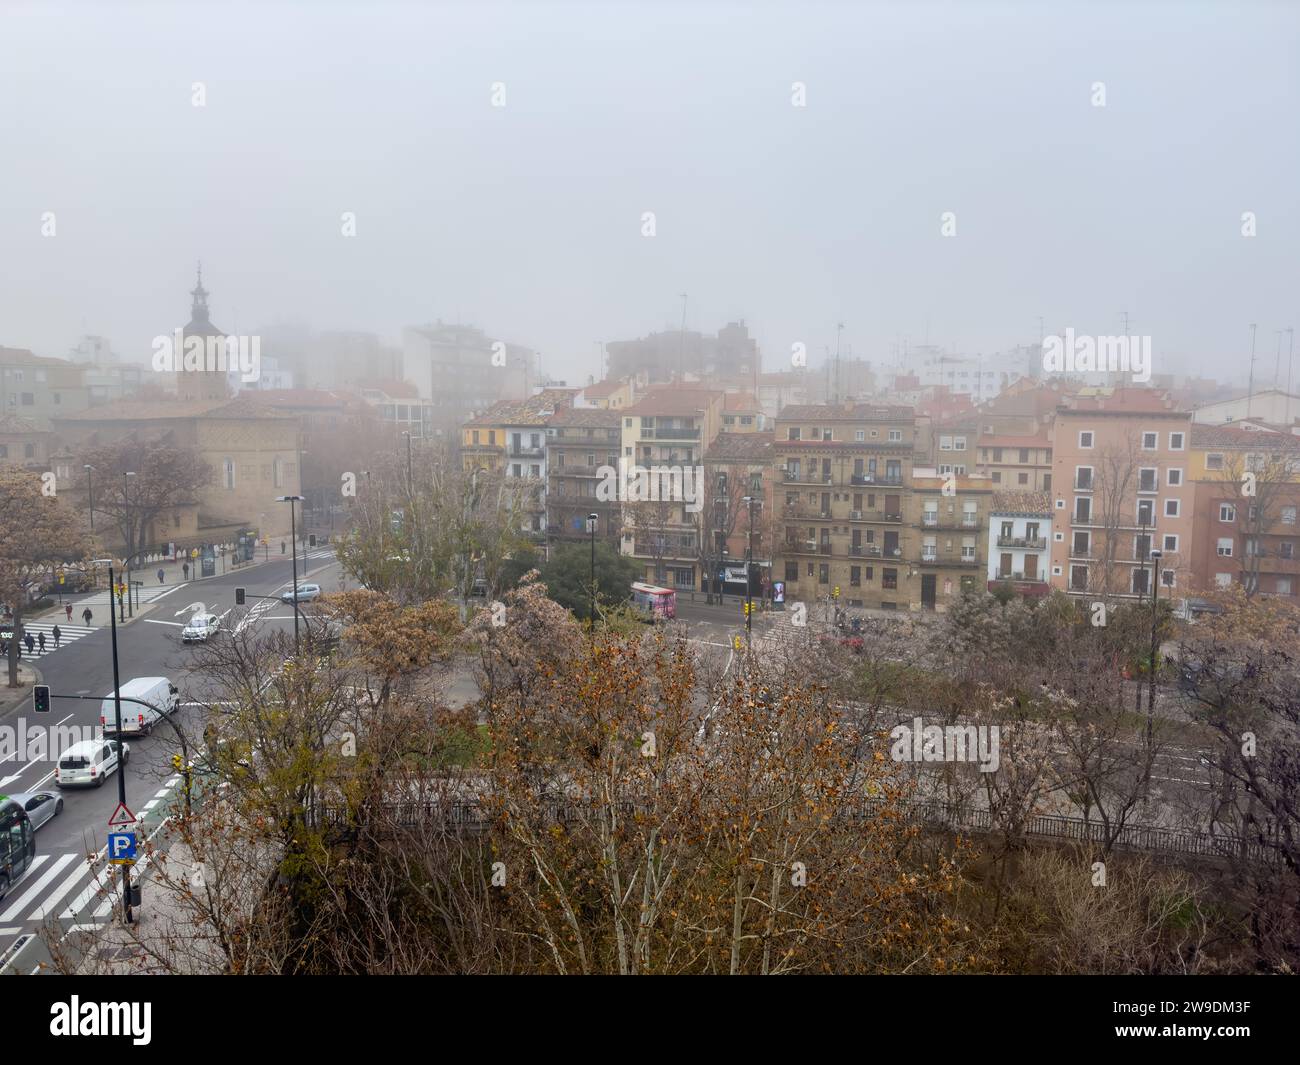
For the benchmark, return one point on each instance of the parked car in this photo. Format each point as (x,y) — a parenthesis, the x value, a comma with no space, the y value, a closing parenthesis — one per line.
(91,762)
(200,628)
(306,593)
(41,806)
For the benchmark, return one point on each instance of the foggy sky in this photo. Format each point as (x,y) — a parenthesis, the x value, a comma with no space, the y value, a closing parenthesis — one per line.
(526,219)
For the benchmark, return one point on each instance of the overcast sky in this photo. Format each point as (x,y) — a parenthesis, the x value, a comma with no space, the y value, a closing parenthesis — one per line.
(526,219)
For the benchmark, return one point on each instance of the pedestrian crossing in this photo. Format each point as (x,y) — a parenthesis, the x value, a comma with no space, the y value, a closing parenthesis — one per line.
(67,634)
(99,600)
(50,880)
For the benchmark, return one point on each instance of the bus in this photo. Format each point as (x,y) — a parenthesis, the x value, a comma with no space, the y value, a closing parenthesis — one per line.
(17,843)
(652,602)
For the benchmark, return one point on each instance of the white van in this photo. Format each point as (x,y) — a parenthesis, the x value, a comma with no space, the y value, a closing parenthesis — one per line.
(137,717)
(90,762)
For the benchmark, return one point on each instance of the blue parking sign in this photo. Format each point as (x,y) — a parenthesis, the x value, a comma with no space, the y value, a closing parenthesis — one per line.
(121,848)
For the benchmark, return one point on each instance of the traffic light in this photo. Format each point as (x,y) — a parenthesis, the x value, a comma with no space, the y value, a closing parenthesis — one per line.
(239,597)
(176,761)
(748,607)
(41,698)
(836,593)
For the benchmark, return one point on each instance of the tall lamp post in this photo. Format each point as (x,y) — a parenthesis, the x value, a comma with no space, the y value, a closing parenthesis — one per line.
(1155,618)
(410,468)
(117,723)
(592,520)
(90,491)
(293,540)
(126,518)
(749,502)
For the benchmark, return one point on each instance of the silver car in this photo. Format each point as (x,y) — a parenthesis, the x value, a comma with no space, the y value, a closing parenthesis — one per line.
(306,593)
(41,806)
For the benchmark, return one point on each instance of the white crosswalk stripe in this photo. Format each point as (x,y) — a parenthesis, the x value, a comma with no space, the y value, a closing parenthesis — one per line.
(67,634)
(147,594)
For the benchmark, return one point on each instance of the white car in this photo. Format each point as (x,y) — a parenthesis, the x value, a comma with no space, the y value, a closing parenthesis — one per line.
(201,628)
(91,762)
(306,593)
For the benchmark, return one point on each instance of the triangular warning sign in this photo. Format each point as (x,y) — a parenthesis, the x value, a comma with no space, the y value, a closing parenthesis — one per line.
(121,817)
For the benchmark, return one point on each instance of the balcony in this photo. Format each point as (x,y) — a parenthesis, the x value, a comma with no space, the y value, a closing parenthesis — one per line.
(934,521)
(1016,575)
(888,479)
(1038,544)
(669,548)
(799,547)
(523,451)
(874,515)
(805,477)
(944,558)
(660,432)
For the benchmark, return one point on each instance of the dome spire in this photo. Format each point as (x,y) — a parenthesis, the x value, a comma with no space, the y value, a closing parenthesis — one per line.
(199,308)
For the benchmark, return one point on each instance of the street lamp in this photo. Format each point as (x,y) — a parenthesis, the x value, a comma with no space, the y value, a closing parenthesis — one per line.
(749,502)
(1151,665)
(126,518)
(90,491)
(410,474)
(117,721)
(293,533)
(592,520)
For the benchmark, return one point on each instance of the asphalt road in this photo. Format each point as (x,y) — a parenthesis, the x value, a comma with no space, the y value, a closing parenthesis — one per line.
(63,877)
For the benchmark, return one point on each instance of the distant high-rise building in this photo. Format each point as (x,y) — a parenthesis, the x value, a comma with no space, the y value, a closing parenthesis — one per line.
(733,353)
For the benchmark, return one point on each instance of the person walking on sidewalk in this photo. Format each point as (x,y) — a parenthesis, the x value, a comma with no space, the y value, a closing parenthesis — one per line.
(57,633)
(185,569)
(160,575)
(30,642)
(87,615)
(40,641)
(67,609)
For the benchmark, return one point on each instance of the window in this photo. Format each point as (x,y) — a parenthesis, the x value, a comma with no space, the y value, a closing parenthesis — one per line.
(1283,586)
(1145,512)
(1175,441)
(1150,441)
(29,451)
(792,571)
(1214,461)
(1224,549)
(1022,478)
(277,471)
(855,576)
(997,476)
(959,443)
(895,435)
(824,573)
(1082,542)
(228,472)
(1227,512)
(793,432)
(1083,510)
(1223,580)
(1174,478)
(1170,542)
(1079,578)
(1287,516)
(1148,479)
(1167,577)
(1083,478)
(860,434)
(1085,440)
(945,443)
(1171,508)
(889,578)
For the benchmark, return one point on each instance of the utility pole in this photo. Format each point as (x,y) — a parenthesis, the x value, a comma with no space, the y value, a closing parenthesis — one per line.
(90,492)
(749,573)
(126,519)
(293,541)
(121,771)
(592,519)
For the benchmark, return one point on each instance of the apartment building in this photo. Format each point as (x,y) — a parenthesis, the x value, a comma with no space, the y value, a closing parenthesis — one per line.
(667,431)
(737,468)
(1246,487)
(1016,463)
(582,445)
(1120,489)
(842,479)
(1020,541)
(949,546)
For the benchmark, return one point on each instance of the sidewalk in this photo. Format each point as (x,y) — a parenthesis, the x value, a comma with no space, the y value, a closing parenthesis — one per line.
(11,697)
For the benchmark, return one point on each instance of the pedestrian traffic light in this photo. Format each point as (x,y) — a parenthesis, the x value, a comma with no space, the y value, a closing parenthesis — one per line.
(239,597)
(41,698)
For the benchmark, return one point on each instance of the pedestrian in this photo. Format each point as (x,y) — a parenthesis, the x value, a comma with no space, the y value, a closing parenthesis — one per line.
(30,642)
(185,568)
(87,614)
(58,635)
(160,575)
(40,641)
(67,609)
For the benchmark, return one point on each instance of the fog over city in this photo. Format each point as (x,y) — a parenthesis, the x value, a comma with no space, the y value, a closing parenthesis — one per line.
(526,219)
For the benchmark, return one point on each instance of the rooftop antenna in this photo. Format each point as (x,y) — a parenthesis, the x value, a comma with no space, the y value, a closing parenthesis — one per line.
(1250,383)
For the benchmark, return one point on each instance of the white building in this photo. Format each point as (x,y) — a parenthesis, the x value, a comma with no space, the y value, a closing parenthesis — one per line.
(1274,406)
(1020,541)
(979,376)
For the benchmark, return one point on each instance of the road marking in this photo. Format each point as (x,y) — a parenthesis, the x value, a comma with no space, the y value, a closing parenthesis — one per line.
(52,899)
(152,621)
(20,903)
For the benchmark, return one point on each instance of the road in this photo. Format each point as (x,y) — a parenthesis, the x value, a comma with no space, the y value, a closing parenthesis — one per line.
(64,878)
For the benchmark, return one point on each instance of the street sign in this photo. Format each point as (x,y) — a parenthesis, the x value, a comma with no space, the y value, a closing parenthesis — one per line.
(121,848)
(121,816)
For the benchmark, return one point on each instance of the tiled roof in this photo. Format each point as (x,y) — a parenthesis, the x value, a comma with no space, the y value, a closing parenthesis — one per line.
(535,410)
(740,401)
(601,389)
(22,355)
(1022,502)
(1120,401)
(1234,437)
(13,423)
(585,418)
(158,410)
(844,412)
(740,447)
(674,400)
